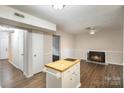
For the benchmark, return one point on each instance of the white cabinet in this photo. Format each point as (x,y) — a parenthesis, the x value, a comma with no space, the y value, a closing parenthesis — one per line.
(71,77)
(67,79)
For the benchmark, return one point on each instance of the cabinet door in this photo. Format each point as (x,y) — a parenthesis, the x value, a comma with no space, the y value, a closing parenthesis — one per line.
(67,81)
(75,78)
(76,75)
(71,78)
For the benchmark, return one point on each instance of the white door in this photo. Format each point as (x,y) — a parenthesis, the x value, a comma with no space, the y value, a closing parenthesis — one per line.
(37,51)
(14,46)
(21,49)
(3,45)
(17,39)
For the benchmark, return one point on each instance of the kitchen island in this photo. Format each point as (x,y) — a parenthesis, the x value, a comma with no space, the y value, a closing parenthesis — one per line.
(63,74)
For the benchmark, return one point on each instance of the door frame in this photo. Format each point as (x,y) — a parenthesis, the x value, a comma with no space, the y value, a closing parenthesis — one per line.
(54,35)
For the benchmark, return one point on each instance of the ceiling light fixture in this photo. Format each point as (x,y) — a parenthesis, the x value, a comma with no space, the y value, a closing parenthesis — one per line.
(58,7)
(91,30)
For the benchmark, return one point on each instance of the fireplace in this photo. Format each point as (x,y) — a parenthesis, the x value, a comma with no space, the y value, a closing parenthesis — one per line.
(96,56)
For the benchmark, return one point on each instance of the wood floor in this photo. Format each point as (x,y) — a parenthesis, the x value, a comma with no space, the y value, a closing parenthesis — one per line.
(92,76)
(12,77)
(101,76)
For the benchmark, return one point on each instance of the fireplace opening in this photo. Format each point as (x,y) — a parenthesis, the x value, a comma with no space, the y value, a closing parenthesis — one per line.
(96,56)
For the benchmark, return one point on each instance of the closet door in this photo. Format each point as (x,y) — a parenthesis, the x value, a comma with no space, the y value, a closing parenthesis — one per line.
(37,52)
(21,49)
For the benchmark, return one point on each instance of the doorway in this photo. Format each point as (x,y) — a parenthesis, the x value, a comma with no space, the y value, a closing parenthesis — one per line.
(17,48)
(4,44)
(12,45)
(56,48)
(11,54)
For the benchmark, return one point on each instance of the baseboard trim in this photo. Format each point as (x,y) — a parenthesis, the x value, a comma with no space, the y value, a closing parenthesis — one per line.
(27,76)
(121,64)
(13,64)
(79,85)
(97,62)
(106,63)
(4,58)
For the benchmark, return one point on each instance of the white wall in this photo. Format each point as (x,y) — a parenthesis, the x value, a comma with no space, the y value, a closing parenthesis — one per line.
(48,48)
(109,41)
(67,44)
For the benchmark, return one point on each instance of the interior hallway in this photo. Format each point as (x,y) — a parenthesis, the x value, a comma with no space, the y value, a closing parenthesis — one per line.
(92,76)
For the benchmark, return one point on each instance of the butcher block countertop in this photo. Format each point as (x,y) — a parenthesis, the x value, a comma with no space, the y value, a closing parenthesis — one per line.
(62,65)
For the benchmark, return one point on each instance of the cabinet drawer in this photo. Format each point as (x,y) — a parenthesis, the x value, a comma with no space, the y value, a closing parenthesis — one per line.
(67,72)
(73,70)
(52,70)
(77,66)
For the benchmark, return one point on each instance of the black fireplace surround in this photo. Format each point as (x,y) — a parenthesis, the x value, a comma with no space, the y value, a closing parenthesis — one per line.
(96,56)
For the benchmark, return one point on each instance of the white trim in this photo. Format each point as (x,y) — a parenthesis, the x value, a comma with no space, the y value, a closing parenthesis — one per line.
(97,50)
(115,52)
(27,76)
(78,86)
(3,58)
(104,51)
(11,62)
(100,51)
(121,64)
(106,63)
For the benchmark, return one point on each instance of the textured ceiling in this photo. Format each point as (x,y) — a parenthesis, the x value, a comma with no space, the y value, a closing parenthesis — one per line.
(75,18)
